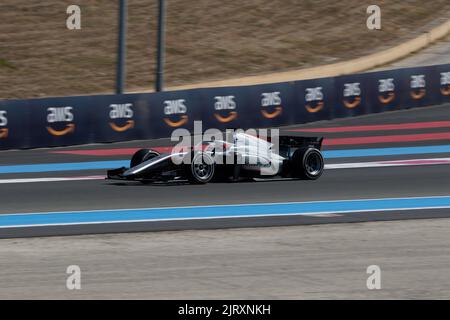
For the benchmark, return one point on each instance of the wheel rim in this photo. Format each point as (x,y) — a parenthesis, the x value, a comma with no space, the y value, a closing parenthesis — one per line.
(313,164)
(202,170)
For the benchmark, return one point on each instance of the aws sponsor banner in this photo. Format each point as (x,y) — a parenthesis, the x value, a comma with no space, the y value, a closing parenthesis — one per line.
(224,108)
(272,104)
(167,111)
(419,87)
(443,73)
(61,121)
(108,118)
(383,91)
(351,96)
(14,124)
(121,117)
(314,100)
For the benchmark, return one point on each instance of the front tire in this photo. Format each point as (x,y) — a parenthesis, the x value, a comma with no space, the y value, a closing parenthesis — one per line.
(202,168)
(142,155)
(308,164)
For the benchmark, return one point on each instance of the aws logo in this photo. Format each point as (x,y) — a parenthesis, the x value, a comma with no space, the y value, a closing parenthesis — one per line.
(418,86)
(175,111)
(314,99)
(225,106)
(60,121)
(386,90)
(4,131)
(122,116)
(352,95)
(271,104)
(445,83)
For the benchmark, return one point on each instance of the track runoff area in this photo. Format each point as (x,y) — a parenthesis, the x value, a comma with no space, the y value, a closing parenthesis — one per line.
(388,166)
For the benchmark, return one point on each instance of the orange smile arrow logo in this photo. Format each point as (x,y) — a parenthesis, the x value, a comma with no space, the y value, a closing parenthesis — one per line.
(69,129)
(315,109)
(354,104)
(129,125)
(182,121)
(388,99)
(231,117)
(4,133)
(445,91)
(418,96)
(272,115)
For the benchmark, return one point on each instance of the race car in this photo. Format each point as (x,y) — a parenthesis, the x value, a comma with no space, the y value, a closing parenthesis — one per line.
(245,157)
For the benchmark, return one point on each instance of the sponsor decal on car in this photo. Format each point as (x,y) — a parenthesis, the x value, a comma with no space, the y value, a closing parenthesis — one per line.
(60,120)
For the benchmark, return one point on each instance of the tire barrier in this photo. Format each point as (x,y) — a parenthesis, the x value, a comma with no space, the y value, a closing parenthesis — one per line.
(51,122)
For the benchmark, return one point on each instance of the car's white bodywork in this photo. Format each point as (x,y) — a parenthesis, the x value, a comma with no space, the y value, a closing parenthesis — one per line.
(252,153)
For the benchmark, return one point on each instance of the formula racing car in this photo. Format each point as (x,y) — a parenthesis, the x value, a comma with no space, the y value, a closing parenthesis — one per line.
(244,157)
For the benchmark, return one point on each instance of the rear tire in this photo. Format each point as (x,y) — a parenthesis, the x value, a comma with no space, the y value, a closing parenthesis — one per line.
(307,164)
(202,168)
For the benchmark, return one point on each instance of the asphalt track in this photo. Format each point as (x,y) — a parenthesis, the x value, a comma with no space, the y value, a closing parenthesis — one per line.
(427,139)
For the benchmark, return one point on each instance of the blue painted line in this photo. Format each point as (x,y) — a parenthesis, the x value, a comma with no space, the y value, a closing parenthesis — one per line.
(214,212)
(75,166)
(330,154)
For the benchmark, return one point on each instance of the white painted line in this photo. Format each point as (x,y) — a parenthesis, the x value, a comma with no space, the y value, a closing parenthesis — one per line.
(393,163)
(30,180)
(323,215)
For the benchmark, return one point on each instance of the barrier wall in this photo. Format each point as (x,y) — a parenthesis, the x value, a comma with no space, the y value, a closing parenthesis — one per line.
(108,118)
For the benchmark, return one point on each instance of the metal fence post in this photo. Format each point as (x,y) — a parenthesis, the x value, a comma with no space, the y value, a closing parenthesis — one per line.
(121,51)
(161,39)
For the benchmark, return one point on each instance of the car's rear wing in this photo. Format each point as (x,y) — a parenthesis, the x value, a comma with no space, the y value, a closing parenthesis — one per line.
(299,142)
